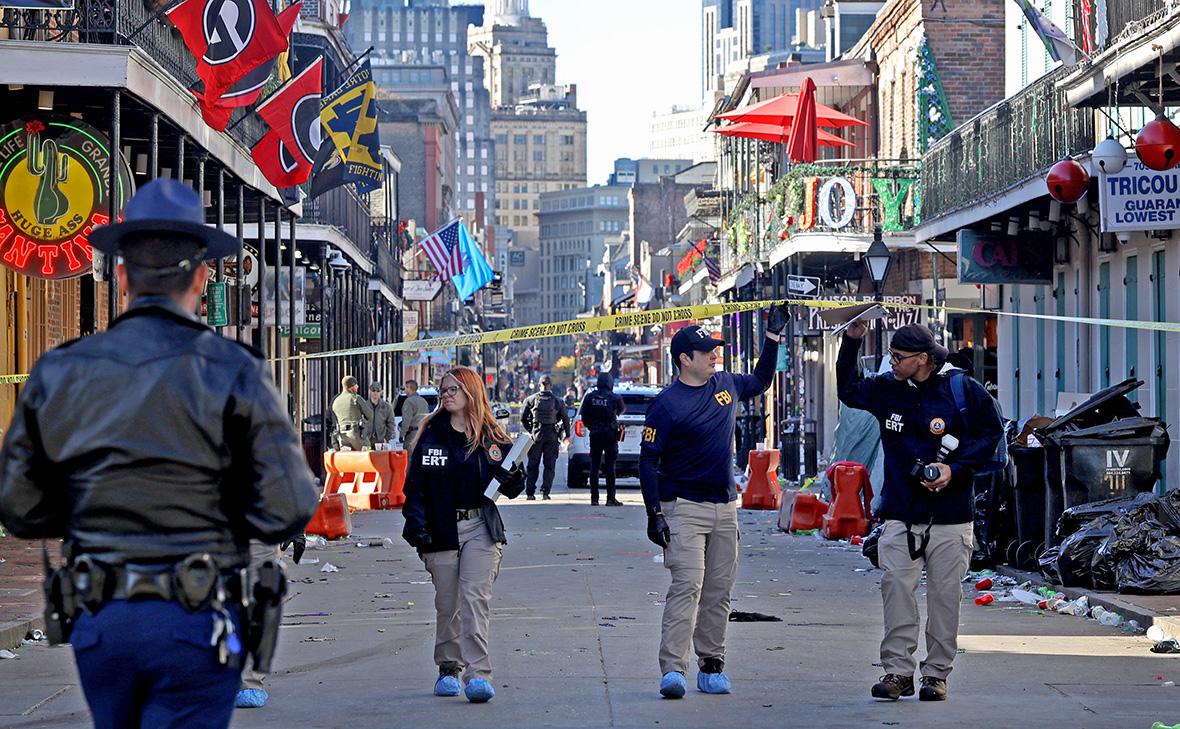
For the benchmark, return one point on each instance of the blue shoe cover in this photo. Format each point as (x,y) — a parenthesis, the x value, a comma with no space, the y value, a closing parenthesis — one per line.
(251,699)
(713,683)
(673,685)
(446,686)
(479,690)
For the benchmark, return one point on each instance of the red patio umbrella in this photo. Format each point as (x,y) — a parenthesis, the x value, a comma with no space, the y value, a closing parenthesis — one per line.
(803,145)
(781,110)
(771,133)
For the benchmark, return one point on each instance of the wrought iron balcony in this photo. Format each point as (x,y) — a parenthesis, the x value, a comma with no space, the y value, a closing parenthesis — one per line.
(1129,16)
(122,23)
(1003,146)
(343,209)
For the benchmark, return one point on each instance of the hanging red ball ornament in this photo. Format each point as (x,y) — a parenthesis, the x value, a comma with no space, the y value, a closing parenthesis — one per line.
(1068,181)
(1158,144)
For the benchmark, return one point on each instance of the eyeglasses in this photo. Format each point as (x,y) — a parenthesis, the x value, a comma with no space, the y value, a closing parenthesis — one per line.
(896,358)
(449,391)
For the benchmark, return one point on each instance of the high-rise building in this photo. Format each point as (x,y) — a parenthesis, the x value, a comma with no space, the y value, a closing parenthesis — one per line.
(539,136)
(576,228)
(733,31)
(681,132)
(410,38)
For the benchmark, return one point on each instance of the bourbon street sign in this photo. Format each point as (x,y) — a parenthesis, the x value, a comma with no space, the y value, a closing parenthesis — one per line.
(54,189)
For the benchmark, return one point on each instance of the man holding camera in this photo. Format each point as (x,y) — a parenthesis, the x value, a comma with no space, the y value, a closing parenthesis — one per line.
(932,449)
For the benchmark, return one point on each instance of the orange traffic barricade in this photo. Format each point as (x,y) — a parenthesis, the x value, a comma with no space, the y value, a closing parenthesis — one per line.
(367,479)
(801,511)
(762,491)
(852,496)
(332,518)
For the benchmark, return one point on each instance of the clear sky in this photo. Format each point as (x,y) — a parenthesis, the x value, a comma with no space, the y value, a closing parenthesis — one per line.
(628,58)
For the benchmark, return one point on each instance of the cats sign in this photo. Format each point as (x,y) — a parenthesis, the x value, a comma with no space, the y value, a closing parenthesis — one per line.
(54,189)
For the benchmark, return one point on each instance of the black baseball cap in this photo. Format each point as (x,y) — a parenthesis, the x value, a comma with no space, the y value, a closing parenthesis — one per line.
(693,338)
(917,338)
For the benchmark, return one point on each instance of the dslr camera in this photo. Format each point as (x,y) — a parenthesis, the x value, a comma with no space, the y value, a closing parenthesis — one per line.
(922,472)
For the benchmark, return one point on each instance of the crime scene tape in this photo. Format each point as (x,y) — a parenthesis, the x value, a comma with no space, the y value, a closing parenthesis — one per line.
(688,313)
(12,379)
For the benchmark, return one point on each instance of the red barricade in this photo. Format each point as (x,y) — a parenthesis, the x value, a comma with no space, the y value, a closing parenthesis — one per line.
(762,491)
(367,479)
(852,496)
(802,511)
(332,519)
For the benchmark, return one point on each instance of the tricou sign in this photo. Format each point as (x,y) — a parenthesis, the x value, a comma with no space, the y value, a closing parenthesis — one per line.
(1139,198)
(54,188)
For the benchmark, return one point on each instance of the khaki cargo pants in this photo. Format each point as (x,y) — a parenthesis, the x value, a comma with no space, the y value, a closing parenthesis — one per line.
(948,555)
(702,557)
(463,580)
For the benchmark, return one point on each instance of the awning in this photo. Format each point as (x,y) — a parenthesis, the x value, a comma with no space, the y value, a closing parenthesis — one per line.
(1138,55)
(735,279)
(845,243)
(852,72)
(777,134)
(781,110)
(701,274)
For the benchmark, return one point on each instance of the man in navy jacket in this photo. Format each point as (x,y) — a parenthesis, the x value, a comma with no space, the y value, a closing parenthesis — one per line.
(931,453)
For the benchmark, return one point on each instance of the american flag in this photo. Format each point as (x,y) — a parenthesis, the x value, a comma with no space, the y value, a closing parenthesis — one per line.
(442,248)
(711,264)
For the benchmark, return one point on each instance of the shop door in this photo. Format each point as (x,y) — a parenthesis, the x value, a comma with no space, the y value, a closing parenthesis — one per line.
(1131,289)
(975,336)
(1159,313)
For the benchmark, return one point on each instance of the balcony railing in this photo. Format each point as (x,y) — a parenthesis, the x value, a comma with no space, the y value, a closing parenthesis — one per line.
(1121,15)
(342,208)
(113,22)
(1005,145)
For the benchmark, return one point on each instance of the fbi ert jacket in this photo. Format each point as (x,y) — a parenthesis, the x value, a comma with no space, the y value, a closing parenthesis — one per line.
(913,417)
(441,479)
(152,441)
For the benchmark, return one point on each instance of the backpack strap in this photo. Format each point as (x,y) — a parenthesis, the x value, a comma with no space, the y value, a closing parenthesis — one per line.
(959,392)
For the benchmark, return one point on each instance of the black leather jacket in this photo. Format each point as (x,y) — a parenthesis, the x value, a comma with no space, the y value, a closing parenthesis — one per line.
(151,441)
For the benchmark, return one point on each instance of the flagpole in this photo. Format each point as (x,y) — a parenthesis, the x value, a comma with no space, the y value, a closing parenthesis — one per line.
(359,58)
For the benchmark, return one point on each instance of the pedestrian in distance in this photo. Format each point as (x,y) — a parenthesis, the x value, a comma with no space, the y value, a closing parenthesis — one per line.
(686,472)
(600,414)
(414,410)
(545,417)
(384,424)
(933,446)
(456,529)
(353,414)
(177,453)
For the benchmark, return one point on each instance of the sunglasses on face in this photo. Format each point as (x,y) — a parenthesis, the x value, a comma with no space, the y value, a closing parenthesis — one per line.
(449,391)
(896,358)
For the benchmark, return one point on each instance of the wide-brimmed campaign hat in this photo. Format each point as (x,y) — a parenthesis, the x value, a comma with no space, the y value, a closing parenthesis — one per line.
(165,206)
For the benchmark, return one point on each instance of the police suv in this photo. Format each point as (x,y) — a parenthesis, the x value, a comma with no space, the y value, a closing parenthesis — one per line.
(636,399)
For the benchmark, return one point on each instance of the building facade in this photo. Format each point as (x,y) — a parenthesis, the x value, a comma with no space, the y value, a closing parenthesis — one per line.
(733,31)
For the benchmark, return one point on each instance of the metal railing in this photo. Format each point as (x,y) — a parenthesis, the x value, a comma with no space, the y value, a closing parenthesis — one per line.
(113,22)
(342,208)
(1131,16)
(1003,146)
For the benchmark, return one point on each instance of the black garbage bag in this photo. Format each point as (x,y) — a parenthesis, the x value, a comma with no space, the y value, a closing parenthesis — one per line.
(1076,554)
(869,547)
(1047,564)
(1134,533)
(1075,517)
(1155,570)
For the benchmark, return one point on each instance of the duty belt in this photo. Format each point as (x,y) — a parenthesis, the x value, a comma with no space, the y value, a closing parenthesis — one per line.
(347,427)
(193,582)
(465,514)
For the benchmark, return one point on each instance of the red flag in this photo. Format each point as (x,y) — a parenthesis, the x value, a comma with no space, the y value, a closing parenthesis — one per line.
(294,111)
(277,164)
(229,38)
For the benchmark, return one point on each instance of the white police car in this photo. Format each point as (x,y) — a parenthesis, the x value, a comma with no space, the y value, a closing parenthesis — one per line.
(636,399)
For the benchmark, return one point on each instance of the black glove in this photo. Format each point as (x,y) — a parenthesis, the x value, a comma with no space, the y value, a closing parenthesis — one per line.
(419,541)
(657,529)
(777,318)
(511,481)
(300,543)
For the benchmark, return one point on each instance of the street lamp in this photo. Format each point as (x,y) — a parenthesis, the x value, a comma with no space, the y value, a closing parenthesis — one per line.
(877,259)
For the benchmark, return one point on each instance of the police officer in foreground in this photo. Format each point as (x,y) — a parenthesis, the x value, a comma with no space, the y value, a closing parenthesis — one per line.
(383,426)
(546,418)
(932,451)
(176,454)
(686,472)
(600,414)
(353,413)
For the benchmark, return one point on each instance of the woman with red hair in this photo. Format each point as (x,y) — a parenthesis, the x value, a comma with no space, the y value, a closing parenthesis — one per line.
(456,529)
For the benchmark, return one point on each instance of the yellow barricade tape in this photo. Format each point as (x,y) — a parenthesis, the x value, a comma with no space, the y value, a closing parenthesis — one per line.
(12,379)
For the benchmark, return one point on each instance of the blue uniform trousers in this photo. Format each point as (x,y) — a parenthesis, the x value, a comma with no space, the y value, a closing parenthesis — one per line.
(148,665)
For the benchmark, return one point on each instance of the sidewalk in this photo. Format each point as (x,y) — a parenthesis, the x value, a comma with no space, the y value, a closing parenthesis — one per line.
(20,589)
(1161,610)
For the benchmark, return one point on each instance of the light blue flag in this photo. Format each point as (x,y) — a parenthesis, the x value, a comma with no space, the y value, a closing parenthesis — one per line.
(477,272)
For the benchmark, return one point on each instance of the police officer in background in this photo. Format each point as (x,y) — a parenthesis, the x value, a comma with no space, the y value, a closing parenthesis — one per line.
(546,418)
(686,472)
(600,413)
(353,413)
(176,454)
(931,454)
(414,411)
(383,425)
